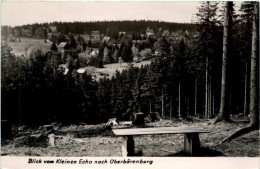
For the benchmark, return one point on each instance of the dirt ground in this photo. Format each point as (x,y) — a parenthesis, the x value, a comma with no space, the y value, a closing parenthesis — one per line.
(104,143)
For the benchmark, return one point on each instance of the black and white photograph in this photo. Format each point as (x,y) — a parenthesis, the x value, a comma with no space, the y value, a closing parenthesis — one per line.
(129,79)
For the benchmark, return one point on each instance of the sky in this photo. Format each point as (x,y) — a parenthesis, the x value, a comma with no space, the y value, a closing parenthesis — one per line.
(20,13)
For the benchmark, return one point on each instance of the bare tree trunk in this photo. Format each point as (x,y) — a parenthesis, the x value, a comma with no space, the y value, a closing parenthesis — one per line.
(206,76)
(209,99)
(19,90)
(206,87)
(213,102)
(188,106)
(254,77)
(254,81)
(150,107)
(171,107)
(162,104)
(223,112)
(195,104)
(245,98)
(179,107)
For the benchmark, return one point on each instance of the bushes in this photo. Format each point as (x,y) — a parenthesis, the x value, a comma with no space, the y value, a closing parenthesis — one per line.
(96,61)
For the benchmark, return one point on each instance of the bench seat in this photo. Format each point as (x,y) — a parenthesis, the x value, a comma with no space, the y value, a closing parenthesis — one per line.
(191,137)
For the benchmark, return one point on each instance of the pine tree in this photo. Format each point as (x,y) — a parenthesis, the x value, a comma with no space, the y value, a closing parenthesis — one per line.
(54,47)
(209,45)
(223,112)
(254,81)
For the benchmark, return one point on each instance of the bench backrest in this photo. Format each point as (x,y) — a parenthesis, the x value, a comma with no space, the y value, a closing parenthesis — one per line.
(159,130)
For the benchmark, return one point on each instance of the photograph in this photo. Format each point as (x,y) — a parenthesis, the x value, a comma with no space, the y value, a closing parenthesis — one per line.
(129,79)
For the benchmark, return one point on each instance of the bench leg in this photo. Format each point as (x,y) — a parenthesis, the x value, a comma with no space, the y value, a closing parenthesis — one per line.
(191,143)
(127,146)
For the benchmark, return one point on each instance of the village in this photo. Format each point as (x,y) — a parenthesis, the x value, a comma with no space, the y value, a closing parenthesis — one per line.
(87,47)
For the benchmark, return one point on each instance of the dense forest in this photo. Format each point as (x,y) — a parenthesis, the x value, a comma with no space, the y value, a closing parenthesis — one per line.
(111,28)
(186,79)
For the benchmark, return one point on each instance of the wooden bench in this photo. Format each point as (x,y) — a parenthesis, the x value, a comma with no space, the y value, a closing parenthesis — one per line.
(191,137)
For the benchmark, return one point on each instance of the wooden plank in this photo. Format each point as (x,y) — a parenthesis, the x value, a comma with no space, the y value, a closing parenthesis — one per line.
(148,132)
(159,130)
(124,147)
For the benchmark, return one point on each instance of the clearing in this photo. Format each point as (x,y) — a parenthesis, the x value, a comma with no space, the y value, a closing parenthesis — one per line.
(109,70)
(95,140)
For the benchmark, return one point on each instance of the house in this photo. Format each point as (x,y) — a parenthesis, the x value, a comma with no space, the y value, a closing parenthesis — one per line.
(166,33)
(106,39)
(125,39)
(109,41)
(142,36)
(39,32)
(95,37)
(149,33)
(63,46)
(53,29)
(26,32)
(94,53)
(86,38)
(121,33)
(12,38)
(49,35)
(16,33)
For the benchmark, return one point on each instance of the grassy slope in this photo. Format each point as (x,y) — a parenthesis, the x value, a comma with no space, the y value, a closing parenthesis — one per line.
(27,44)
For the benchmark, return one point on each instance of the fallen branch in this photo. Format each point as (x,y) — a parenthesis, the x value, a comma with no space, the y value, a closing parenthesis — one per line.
(168,151)
(45,134)
(80,140)
(219,118)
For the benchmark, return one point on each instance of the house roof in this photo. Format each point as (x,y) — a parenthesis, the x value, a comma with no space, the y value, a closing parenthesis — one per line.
(95,33)
(122,33)
(105,39)
(62,44)
(149,31)
(53,28)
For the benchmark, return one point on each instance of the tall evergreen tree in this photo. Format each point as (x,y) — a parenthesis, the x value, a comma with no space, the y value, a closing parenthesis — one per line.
(254,81)
(209,45)
(223,112)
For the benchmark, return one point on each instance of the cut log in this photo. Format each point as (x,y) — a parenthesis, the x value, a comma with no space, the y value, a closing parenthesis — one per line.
(138,119)
(46,128)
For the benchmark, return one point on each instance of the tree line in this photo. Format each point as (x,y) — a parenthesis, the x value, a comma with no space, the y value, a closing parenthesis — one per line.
(109,28)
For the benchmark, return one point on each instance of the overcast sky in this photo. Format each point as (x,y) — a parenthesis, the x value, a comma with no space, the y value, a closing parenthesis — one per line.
(20,13)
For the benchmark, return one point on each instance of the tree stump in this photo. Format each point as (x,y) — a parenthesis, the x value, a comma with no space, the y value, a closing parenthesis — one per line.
(48,131)
(6,129)
(153,117)
(138,119)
